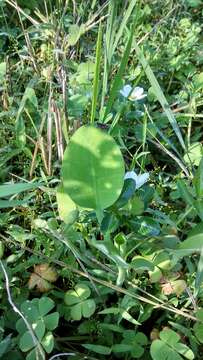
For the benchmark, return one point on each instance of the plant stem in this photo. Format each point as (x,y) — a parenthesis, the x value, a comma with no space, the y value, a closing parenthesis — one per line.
(121,276)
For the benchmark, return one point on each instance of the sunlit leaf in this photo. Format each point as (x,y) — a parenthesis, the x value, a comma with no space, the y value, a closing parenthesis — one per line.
(93,170)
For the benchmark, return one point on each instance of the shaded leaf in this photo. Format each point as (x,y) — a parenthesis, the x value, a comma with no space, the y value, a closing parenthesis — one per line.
(67,209)
(45,305)
(99,349)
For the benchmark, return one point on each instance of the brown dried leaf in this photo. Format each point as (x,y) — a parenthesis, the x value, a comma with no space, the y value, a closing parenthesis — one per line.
(46,272)
(154,334)
(42,276)
(41,284)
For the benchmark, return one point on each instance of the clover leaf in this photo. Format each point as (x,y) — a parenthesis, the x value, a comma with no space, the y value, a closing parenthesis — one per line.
(37,312)
(132,342)
(79,302)
(169,347)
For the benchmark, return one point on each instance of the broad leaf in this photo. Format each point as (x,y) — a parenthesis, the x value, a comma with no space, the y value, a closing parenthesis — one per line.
(194,243)
(169,347)
(93,169)
(30,311)
(67,209)
(88,308)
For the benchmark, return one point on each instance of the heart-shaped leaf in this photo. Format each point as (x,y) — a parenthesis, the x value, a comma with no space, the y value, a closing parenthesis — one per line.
(169,347)
(80,293)
(26,342)
(51,321)
(48,342)
(88,308)
(78,299)
(45,305)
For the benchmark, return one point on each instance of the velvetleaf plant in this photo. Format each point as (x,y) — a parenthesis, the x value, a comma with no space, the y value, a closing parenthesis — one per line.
(93,177)
(92,170)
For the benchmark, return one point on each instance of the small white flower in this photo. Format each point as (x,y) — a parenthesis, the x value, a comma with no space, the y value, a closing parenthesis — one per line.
(139,179)
(133,94)
(137,94)
(126,90)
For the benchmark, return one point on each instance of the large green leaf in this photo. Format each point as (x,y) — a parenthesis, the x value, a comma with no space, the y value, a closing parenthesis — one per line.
(51,321)
(67,209)
(194,243)
(93,169)
(194,154)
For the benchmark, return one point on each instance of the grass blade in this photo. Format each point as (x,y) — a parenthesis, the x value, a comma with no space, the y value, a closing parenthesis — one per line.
(118,78)
(199,275)
(109,37)
(123,24)
(159,94)
(11,189)
(112,37)
(96,75)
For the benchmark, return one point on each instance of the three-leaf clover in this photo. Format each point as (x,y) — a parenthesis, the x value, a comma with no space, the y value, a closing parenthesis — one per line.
(133,342)
(37,314)
(169,347)
(78,300)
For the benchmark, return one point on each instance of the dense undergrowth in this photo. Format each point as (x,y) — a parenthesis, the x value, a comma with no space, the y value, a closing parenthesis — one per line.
(101,241)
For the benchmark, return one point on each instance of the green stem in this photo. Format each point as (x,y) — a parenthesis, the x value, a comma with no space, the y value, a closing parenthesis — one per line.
(121,276)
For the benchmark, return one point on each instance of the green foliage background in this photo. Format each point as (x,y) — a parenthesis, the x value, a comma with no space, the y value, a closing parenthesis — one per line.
(93,265)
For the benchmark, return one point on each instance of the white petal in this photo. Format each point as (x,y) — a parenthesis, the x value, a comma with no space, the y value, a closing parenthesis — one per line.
(137,94)
(126,90)
(141,180)
(137,91)
(131,175)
